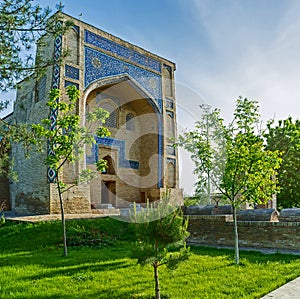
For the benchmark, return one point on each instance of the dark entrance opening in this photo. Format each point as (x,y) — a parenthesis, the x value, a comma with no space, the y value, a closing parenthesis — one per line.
(108,192)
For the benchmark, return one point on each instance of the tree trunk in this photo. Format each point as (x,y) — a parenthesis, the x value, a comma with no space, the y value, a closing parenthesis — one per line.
(157,291)
(236,236)
(63,222)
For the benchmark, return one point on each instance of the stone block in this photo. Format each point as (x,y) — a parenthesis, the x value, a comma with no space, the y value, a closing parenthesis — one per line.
(258,215)
(290,215)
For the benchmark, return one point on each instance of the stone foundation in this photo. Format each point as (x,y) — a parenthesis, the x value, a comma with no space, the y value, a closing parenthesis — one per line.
(76,200)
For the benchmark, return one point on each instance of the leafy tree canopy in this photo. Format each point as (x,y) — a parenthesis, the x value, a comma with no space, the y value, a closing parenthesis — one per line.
(234,157)
(285,137)
(161,232)
(22,24)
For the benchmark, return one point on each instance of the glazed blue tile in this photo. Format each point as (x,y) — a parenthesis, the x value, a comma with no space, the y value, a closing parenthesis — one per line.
(99,65)
(69,83)
(129,54)
(71,72)
(116,143)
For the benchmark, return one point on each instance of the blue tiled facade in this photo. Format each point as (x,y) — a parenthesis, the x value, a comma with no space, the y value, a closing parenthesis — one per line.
(99,65)
(69,83)
(71,72)
(105,59)
(123,52)
(51,174)
(115,143)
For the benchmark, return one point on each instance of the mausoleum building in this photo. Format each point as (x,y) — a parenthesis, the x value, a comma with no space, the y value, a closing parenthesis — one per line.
(137,88)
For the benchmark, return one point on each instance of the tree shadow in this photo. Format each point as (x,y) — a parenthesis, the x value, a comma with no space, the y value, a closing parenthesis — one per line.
(251,256)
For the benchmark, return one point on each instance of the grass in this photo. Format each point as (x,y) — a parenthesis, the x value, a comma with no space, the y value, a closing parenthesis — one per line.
(99,265)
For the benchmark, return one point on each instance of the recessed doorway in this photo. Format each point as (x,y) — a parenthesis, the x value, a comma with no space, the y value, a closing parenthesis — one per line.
(108,192)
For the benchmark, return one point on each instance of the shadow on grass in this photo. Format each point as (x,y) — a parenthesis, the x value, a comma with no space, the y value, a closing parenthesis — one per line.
(251,256)
(102,295)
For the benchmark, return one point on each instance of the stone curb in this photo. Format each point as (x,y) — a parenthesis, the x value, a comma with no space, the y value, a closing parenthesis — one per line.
(291,290)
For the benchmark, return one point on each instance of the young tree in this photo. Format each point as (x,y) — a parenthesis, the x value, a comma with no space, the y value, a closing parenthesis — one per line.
(285,137)
(158,230)
(67,140)
(240,166)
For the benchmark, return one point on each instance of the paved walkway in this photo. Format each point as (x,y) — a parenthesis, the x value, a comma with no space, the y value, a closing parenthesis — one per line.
(40,218)
(291,290)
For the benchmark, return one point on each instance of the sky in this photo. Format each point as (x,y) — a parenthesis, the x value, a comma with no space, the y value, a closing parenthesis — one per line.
(222,49)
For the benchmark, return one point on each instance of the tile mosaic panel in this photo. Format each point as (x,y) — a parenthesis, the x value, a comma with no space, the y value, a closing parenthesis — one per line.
(51,174)
(71,72)
(99,65)
(171,160)
(69,83)
(170,113)
(170,150)
(116,143)
(123,52)
(169,103)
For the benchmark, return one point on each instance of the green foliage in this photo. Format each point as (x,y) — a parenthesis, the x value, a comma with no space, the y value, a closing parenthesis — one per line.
(22,24)
(2,219)
(285,137)
(68,137)
(161,232)
(239,165)
(67,140)
(32,267)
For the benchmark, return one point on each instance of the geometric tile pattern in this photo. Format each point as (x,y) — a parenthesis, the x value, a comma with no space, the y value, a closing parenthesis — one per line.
(170,150)
(99,65)
(51,174)
(71,72)
(170,113)
(121,51)
(120,145)
(76,28)
(171,160)
(69,83)
(169,103)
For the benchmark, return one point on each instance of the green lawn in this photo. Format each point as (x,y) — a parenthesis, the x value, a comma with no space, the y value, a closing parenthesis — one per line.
(32,266)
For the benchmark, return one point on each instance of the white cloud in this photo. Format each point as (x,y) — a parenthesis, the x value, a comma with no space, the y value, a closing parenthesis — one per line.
(241,50)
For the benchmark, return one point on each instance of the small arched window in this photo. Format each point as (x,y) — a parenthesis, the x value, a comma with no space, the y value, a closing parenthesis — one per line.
(110,169)
(112,120)
(130,125)
(170,125)
(73,46)
(171,172)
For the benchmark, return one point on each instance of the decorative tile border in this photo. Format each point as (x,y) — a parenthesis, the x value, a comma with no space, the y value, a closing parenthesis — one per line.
(51,174)
(71,72)
(69,83)
(171,160)
(76,28)
(170,150)
(169,103)
(123,52)
(99,65)
(170,113)
(116,143)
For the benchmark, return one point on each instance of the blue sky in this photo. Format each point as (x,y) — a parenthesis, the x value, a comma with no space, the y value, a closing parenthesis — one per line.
(222,48)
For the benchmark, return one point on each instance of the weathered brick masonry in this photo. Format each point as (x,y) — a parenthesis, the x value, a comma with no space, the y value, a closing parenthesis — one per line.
(217,230)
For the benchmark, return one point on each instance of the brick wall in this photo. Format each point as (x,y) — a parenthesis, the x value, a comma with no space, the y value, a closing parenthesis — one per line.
(218,231)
